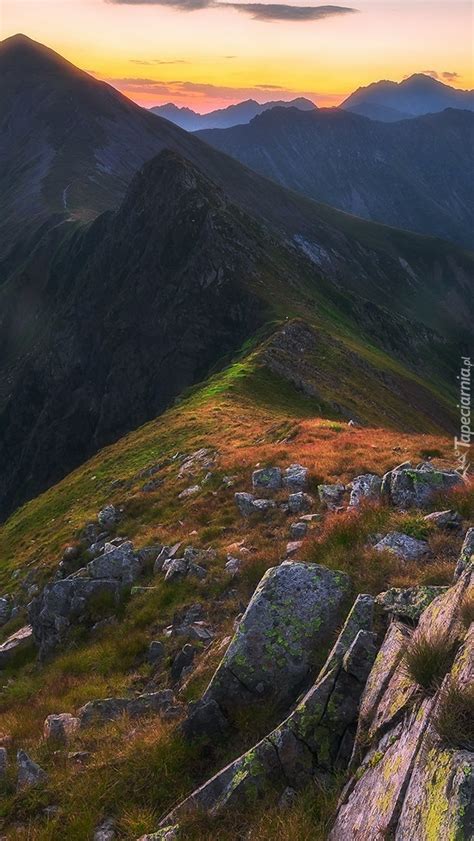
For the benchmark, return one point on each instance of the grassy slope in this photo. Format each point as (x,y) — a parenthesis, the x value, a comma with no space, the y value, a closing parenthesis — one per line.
(248,417)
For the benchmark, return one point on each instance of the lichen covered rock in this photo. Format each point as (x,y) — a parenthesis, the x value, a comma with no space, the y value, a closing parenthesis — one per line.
(315,739)
(291,615)
(408,487)
(408,603)
(407,548)
(466,554)
(409,784)
(364,487)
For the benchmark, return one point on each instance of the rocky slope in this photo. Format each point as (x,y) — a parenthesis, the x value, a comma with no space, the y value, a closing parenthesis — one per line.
(410,174)
(319,660)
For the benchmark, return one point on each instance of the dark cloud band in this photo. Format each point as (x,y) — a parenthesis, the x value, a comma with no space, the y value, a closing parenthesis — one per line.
(258,11)
(281,11)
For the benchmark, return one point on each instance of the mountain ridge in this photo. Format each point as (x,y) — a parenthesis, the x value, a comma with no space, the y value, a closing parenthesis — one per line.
(240,113)
(413,174)
(418,94)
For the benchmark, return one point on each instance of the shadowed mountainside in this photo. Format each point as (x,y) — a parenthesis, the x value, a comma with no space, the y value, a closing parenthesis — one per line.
(414,174)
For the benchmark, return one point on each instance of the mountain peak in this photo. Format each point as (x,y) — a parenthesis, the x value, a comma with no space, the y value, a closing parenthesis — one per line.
(23,55)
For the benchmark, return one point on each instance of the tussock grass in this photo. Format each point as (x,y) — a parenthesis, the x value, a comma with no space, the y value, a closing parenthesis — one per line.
(454,718)
(467,608)
(307,818)
(427,660)
(343,542)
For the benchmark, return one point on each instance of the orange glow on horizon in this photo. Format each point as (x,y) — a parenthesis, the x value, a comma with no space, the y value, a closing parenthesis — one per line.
(214,57)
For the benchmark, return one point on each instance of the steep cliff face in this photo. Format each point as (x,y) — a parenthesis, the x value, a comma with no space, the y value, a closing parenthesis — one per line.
(106,332)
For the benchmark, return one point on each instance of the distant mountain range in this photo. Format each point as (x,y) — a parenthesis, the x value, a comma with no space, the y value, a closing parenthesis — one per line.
(385,101)
(233,115)
(414,174)
(419,94)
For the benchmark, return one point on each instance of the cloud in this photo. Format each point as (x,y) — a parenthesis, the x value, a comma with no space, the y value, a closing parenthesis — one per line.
(258,11)
(447,75)
(450,76)
(199,91)
(280,11)
(183,5)
(155,61)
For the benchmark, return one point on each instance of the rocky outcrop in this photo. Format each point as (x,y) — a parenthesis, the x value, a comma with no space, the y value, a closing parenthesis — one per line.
(408,603)
(71,601)
(300,502)
(447,520)
(60,727)
(467,552)
(409,783)
(407,548)
(331,496)
(291,615)
(364,487)
(315,739)
(408,487)
(295,477)
(107,709)
(248,504)
(116,562)
(29,773)
(267,477)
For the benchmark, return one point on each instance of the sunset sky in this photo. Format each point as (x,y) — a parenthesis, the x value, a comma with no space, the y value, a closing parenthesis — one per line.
(209,53)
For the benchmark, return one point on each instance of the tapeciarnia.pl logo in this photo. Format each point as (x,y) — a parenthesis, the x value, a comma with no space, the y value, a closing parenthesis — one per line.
(462,445)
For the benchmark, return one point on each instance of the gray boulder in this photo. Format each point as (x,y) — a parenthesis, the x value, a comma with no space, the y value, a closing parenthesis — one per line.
(467,551)
(116,562)
(267,477)
(156,652)
(108,517)
(364,487)
(295,477)
(244,503)
(29,773)
(17,642)
(315,740)
(331,496)
(410,602)
(291,615)
(3,763)
(300,502)
(261,506)
(205,720)
(66,603)
(233,565)
(407,487)
(60,727)
(105,831)
(109,709)
(298,530)
(5,609)
(182,661)
(175,569)
(293,547)
(407,548)
(164,555)
(444,519)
